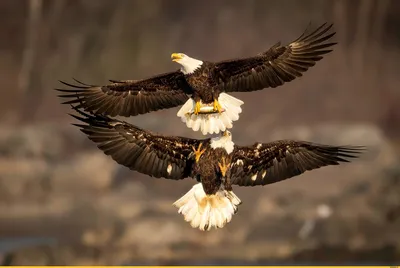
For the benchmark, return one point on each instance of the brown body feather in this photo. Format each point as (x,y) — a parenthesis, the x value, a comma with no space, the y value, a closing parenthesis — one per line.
(208,171)
(203,84)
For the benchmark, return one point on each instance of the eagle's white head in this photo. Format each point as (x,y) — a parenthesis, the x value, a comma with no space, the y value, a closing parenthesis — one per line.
(223,141)
(189,65)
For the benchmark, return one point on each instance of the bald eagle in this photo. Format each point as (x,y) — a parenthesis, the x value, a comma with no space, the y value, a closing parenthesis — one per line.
(216,163)
(200,86)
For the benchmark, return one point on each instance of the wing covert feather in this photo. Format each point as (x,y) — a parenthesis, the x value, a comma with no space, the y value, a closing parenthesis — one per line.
(155,155)
(128,97)
(266,163)
(277,65)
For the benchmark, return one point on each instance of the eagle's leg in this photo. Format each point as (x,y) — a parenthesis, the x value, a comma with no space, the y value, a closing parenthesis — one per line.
(198,152)
(217,106)
(197,107)
(223,167)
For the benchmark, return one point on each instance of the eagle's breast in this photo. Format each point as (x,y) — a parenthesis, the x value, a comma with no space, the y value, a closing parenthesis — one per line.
(202,83)
(207,169)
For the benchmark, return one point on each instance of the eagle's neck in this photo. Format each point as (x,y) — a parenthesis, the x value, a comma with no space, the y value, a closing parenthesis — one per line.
(190,65)
(224,142)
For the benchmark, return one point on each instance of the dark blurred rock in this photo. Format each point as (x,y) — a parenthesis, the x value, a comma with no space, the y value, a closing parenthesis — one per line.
(85,172)
(50,141)
(30,141)
(21,177)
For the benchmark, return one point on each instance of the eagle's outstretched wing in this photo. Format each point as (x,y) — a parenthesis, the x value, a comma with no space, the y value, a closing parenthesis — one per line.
(266,163)
(277,65)
(128,97)
(140,150)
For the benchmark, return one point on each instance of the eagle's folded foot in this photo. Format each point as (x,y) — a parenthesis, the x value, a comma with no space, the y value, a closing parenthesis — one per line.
(217,106)
(223,167)
(197,108)
(198,152)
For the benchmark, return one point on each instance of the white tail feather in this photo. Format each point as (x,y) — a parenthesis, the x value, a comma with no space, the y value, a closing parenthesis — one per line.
(213,122)
(206,211)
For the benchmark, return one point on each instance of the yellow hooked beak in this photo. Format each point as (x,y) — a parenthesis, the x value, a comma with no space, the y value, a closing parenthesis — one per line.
(176,56)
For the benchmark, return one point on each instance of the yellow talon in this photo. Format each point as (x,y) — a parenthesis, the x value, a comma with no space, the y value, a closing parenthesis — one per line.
(223,167)
(197,108)
(217,106)
(198,152)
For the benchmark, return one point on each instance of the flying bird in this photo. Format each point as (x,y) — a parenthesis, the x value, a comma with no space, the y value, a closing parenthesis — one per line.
(200,86)
(216,163)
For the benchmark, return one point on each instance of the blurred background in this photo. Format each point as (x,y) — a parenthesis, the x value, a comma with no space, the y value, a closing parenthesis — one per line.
(62,201)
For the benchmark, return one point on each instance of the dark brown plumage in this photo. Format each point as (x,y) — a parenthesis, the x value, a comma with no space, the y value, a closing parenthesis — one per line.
(140,150)
(129,97)
(266,163)
(174,158)
(208,172)
(270,69)
(277,65)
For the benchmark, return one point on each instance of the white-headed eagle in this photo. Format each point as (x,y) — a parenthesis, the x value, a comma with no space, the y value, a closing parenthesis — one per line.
(216,163)
(200,86)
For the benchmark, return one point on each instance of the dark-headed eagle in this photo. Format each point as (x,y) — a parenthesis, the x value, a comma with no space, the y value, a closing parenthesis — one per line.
(200,86)
(216,163)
